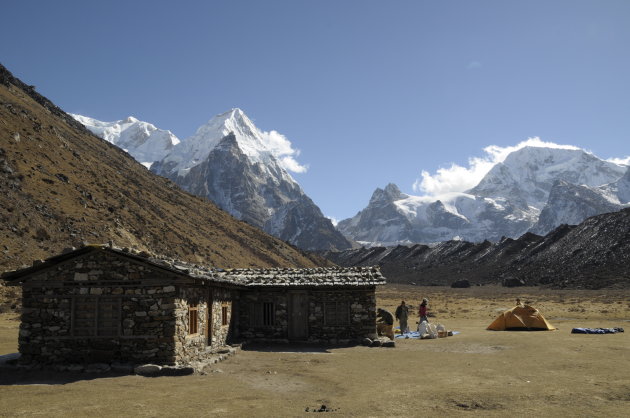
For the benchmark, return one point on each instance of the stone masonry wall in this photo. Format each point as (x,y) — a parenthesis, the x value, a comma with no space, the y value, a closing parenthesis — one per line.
(143,314)
(360,302)
(223,334)
(362,315)
(249,330)
(196,347)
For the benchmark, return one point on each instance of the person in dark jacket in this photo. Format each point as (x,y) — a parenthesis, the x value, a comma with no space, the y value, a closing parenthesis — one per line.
(402,314)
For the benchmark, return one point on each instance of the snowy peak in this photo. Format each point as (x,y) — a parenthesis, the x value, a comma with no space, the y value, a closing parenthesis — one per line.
(256,145)
(239,167)
(528,174)
(572,165)
(390,194)
(142,140)
(532,186)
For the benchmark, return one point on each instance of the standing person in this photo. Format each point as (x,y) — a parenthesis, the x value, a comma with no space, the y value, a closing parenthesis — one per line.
(402,313)
(422,311)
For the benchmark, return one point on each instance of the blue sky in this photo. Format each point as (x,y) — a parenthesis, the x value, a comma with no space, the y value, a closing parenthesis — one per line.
(370,92)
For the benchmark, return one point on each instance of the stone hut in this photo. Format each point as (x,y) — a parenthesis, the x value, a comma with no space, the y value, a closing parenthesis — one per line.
(100,304)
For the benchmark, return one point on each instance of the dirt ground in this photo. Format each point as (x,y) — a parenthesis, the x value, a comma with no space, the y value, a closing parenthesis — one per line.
(550,373)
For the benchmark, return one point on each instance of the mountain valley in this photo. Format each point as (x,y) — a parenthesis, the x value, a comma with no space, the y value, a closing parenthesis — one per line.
(62,186)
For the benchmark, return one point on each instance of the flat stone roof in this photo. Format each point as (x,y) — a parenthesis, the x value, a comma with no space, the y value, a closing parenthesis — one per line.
(269,277)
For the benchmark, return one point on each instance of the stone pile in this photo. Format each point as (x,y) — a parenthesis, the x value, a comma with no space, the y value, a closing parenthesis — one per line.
(378,342)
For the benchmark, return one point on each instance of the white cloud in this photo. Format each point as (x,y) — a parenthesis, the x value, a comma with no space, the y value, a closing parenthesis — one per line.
(283,150)
(473,65)
(334,221)
(620,161)
(458,179)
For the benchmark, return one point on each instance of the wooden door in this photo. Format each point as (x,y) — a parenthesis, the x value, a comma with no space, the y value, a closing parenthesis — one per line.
(298,316)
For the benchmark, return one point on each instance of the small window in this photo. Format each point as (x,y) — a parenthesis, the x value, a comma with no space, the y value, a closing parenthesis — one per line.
(224,315)
(193,319)
(262,314)
(336,313)
(267,314)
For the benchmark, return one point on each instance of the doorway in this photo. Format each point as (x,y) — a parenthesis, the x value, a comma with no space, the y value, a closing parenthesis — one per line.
(298,316)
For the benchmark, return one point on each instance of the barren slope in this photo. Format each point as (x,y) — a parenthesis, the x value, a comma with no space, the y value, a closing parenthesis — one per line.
(61,186)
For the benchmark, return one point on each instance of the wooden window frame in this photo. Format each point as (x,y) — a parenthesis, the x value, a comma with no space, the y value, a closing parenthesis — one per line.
(336,313)
(193,319)
(225,322)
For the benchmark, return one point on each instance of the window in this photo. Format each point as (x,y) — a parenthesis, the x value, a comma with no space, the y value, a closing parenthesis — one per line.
(96,316)
(267,314)
(224,315)
(336,313)
(193,319)
(262,314)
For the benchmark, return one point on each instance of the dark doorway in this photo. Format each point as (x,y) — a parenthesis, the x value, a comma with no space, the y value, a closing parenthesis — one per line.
(298,316)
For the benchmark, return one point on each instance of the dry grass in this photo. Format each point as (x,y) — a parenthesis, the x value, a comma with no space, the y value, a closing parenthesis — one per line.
(491,373)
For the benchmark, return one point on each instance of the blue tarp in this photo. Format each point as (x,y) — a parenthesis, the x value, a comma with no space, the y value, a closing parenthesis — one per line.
(414,334)
(596,330)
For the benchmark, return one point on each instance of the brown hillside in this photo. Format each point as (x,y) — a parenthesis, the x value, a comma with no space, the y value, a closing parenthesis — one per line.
(62,186)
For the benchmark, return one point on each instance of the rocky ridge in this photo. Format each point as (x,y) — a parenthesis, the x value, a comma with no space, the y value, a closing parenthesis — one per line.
(594,254)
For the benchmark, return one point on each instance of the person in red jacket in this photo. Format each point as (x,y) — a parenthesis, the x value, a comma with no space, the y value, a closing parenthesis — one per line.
(422,311)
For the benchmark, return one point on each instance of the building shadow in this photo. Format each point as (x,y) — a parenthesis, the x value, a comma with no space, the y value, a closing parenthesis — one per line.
(292,347)
(13,376)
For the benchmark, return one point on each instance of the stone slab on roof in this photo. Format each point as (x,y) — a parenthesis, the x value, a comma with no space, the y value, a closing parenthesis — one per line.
(271,277)
(332,276)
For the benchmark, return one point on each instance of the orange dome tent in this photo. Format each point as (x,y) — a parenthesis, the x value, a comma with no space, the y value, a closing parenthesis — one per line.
(525,318)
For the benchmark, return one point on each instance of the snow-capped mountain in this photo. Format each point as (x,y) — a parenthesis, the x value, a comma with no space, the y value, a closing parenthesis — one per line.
(535,188)
(571,204)
(142,140)
(528,174)
(398,218)
(231,162)
(618,191)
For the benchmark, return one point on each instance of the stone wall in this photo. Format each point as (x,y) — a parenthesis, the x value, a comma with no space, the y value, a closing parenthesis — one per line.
(196,347)
(361,304)
(106,307)
(136,322)
(361,314)
(223,334)
(249,329)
